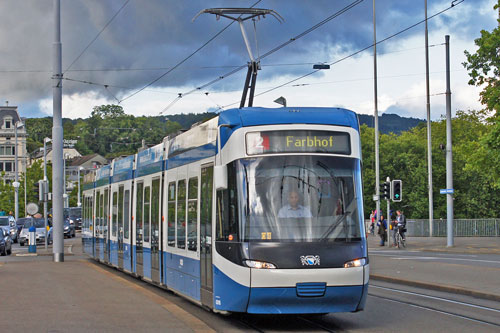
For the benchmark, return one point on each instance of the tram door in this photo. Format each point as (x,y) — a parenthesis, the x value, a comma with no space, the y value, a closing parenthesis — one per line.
(207,174)
(155,230)
(105,226)
(120,225)
(138,228)
(97,226)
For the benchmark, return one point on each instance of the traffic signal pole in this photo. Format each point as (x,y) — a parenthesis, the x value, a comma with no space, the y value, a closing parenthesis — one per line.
(449,155)
(388,217)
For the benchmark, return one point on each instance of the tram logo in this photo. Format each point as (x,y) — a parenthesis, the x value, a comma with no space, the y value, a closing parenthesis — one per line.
(309,260)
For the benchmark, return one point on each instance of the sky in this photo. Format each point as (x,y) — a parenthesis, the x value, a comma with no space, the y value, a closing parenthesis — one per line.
(111,49)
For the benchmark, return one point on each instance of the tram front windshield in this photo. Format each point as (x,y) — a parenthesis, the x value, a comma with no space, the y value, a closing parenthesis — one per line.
(298,198)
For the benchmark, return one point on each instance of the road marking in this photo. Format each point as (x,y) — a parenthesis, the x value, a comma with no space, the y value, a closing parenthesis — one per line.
(438,298)
(437,258)
(436,310)
(193,322)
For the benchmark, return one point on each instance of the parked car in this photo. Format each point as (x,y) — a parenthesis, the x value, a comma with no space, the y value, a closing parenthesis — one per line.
(9,223)
(40,232)
(5,242)
(73,214)
(20,223)
(69,229)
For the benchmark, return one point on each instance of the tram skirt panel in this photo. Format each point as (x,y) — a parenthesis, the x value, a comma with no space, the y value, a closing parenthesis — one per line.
(147,262)
(127,257)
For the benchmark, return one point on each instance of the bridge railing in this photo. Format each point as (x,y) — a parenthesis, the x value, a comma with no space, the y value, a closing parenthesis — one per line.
(461,227)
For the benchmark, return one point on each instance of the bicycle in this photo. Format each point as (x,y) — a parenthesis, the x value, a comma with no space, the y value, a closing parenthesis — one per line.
(400,241)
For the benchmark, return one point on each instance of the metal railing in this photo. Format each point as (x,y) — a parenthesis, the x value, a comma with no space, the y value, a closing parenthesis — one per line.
(461,227)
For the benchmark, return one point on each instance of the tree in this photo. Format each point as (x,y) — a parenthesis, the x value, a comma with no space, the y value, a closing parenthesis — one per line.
(484,71)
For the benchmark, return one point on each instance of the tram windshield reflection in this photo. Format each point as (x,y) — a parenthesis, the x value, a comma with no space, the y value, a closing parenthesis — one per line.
(299,198)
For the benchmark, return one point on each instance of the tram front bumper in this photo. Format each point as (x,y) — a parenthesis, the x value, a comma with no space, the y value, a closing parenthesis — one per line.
(308,291)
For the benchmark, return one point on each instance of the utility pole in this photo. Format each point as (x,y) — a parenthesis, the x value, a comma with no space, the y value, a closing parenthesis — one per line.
(429,137)
(16,183)
(377,160)
(79,203)
(57,141)
(449,155)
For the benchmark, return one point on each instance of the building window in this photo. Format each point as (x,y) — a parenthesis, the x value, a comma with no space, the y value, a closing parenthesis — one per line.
(7,150)
(7,124)
(6,166)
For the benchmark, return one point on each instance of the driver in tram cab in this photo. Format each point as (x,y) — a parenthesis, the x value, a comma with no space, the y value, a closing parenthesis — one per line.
(293,209)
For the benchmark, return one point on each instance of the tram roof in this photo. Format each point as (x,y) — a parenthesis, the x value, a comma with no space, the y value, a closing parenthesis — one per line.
(255,116)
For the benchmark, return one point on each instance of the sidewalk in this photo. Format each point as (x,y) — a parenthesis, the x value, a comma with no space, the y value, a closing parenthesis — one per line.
(79,295)
(469,268)
(469,245)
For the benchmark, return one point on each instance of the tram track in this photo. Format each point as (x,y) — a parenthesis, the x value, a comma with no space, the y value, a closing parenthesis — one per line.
(425,297)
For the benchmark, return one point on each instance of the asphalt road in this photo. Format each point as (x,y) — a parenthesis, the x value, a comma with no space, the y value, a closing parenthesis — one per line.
(114,301)
(471,261)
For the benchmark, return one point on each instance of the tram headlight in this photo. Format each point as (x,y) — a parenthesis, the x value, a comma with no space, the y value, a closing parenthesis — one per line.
(259,264)
(355,263)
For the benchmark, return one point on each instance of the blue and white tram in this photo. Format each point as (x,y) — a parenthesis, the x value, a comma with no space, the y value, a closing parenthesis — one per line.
(101,214)
(88,237)
(261,212)
(147,213)
(119,217)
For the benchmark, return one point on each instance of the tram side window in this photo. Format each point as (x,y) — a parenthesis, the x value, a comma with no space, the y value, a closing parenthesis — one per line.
(120,212)
(147,211)
(155,211)
(192,236)
(138,213)
(171,215)
(97,214)
(106,212)
(181,214)
(115,214)
(227,210)
(126,215)
(84,213)
(101,223)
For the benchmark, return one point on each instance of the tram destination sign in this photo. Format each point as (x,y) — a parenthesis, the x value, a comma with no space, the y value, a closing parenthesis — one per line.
(298,141)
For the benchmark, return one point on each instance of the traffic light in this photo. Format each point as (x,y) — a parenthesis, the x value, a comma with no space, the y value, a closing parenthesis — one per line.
(36,189)
(40,189)
(397,190)
(386,190)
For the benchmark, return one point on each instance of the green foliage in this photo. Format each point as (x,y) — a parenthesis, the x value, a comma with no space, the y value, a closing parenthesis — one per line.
(484,66)
(404,157)
(33,174)
(484,71)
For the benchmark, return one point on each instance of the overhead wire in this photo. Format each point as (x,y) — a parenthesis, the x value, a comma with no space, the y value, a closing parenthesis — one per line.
(97,36)
(183,60)
(453,4)
(114,86)
(279,47)
(201,67)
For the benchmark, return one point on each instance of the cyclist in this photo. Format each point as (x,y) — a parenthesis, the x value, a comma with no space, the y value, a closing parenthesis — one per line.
(401,224)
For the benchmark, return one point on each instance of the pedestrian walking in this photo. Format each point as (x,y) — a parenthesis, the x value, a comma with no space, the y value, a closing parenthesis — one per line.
(382,229)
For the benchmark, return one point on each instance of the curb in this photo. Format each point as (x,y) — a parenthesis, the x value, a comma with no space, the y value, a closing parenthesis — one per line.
(438,287)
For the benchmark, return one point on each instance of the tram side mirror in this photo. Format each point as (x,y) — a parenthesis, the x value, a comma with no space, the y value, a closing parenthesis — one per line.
(220,177)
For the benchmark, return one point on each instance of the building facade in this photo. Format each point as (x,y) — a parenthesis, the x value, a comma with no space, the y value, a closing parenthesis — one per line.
(9,118)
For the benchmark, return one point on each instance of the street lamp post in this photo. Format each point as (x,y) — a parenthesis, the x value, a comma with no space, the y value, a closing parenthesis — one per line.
(46,184)
(16,169)
(79,202)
